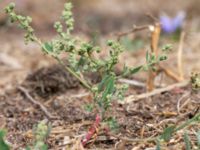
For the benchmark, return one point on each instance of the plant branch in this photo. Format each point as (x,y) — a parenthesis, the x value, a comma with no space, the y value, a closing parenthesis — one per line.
(84,83)
(134,29)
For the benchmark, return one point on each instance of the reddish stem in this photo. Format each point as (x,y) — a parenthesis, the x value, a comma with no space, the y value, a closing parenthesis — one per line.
(92,130)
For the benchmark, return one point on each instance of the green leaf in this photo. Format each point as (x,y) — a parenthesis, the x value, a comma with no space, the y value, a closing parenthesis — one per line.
(3,144)
(109,87)
(187,141)
(167,133)
(103,82)
(147,57)
(47,47)
(166,48)
(153,58)
(136,69)
(162,58)
(81,64)
(125,70)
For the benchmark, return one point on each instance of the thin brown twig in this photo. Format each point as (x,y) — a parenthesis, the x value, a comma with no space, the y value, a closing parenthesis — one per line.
(35,102)
(135,98)
(134,29)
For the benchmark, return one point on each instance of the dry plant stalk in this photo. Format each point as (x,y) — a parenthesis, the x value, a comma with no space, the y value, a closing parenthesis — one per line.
(155,38)
(180,76)
(155,35)
(180,57)
(143,96)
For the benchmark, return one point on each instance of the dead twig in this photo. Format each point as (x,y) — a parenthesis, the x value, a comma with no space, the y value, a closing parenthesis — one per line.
(135,98)
(36,103)
(81,95)
(134,29)
(137,83)
(132,82)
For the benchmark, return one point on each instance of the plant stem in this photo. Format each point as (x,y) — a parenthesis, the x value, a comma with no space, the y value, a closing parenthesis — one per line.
(85,84)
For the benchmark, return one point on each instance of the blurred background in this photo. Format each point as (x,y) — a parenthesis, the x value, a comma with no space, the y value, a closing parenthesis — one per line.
(98,20)
(104,16)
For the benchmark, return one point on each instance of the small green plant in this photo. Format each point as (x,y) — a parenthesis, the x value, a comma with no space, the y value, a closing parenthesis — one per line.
(41,131)
(169,131)
(81,58)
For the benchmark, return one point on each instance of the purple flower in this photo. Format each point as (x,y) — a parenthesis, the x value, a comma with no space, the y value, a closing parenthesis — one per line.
(170,25)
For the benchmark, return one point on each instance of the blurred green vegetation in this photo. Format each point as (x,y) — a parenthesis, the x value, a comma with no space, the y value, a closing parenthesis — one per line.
(132,45)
